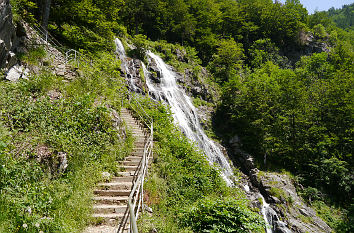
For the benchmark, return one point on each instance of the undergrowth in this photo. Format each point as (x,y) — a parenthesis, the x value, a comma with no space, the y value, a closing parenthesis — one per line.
(183,188)
(43,118)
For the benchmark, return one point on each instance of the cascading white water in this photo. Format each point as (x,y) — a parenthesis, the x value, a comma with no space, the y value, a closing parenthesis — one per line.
(264,209)
(123,57)
(185,116)
(120,48)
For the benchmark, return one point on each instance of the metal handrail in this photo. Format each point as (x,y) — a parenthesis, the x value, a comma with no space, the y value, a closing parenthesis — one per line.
(137,193)
(135,200)
(48,38)
(70,55)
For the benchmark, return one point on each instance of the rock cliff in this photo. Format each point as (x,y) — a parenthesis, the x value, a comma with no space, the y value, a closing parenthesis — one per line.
(280,192)
(7,35)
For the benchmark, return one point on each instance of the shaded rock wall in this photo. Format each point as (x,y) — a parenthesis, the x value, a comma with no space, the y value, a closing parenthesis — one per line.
(7,35)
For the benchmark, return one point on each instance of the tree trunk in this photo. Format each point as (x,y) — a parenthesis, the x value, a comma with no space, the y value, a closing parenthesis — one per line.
(46,12)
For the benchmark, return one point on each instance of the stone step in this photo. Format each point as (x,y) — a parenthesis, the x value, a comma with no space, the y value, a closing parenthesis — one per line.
(122,179)
(133,158)
(109,219)
(110,200)
(115,186)
(141,148)
(109,209)
(101,229)
(141,143)
(126,174)
(129,168)
(139,153)
(141,134)
(112,193)
(140,139)
(131,163)
(137,131)
(138,134)
(131,121)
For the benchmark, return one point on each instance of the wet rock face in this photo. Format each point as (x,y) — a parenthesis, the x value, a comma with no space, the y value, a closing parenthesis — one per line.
(288,208)
(281,190)
(7,34)
(133,69)
(155,73)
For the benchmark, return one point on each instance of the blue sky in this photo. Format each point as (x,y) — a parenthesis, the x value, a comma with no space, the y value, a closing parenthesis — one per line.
(320,5)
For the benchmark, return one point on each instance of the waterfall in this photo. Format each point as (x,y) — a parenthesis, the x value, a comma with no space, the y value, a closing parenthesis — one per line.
(127,65)
(186,117)
(120,48)
(264,210)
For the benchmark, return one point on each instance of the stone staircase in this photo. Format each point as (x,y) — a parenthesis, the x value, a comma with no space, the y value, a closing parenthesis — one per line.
(111,197)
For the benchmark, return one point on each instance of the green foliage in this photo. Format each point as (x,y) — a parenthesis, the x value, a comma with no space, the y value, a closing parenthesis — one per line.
(330,214)
(227,61)
(34,127)
(86,24)
(300,116)
(264,50)
(140,47)
(347,224)
(202,24)
(34,56)
(181,177)
(344,17)
(319,31)
(23,9)
(221,215)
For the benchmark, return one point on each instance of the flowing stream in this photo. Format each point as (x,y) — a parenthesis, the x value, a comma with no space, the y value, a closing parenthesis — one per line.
(186,117)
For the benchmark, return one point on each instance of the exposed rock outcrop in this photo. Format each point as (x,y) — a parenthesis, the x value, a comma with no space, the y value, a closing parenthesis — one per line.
(133,69)
(280,192)
(7,35)
(194,83)
(56,162)
(309,46)
(16,72)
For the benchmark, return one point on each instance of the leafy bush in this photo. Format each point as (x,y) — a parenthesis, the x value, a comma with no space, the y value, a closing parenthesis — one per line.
(221,215)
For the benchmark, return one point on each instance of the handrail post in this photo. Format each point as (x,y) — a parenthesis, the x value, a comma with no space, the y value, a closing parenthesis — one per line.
(132,219)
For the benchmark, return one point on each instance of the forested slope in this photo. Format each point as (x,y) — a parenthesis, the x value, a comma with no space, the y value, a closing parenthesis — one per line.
(343,17)
(285,78)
